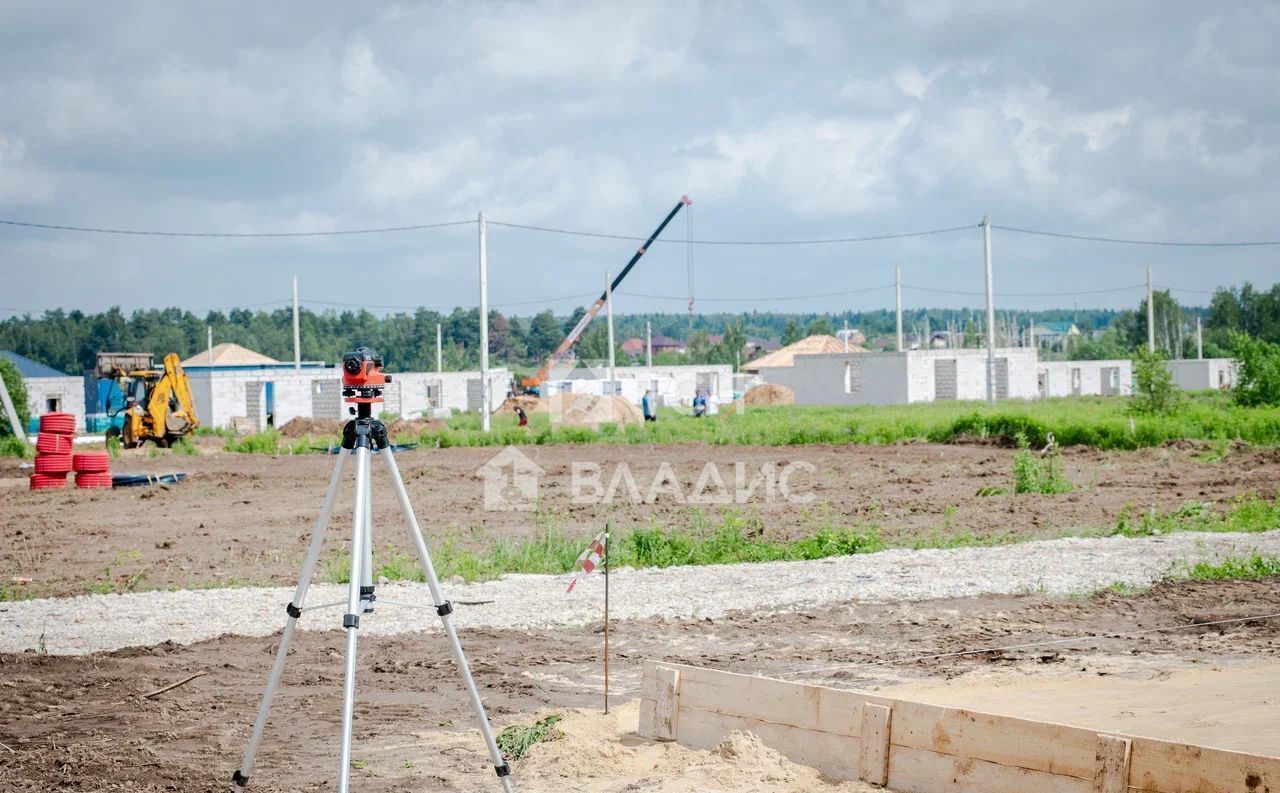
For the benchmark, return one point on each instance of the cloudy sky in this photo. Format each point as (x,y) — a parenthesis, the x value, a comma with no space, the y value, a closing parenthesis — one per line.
(782,120)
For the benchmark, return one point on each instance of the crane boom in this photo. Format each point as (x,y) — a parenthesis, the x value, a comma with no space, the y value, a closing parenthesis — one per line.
(576,333)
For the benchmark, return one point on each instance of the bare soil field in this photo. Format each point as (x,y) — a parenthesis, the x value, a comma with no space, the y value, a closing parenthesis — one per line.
(81,723)
(245,519)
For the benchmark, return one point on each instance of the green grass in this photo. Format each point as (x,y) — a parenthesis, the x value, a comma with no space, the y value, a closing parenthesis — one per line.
(185,447)
(270,441)
(1247,513)
(515,740)
(734,539)
(1103,422)
(1230,568)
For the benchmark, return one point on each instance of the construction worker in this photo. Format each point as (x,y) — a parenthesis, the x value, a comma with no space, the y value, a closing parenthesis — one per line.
(647,406)
(699,405)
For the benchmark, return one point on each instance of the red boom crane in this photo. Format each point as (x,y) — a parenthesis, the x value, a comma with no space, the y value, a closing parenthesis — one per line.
(575,334)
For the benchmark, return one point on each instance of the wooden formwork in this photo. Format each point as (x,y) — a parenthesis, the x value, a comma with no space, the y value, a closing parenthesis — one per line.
(914,747)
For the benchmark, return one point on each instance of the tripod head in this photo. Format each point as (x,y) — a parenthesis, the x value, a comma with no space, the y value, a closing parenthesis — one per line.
(363,380)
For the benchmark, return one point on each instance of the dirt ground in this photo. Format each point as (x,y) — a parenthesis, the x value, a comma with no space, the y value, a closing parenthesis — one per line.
(246,519)
(80,723)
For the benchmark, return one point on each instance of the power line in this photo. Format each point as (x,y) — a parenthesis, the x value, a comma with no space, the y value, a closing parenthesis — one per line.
(1122,241)
(1027,294)
(760,299)
(150,233)
(833,241)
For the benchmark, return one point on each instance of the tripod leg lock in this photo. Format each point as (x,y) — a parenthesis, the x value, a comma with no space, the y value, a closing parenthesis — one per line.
(444,608)
(502,770)
(350,621)
(239,779)
(293,611)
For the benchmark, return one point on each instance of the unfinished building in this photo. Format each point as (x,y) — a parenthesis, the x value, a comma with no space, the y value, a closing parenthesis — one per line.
(899,378)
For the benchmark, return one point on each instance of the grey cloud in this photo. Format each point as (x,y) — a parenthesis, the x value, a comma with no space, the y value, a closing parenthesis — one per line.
(783,120)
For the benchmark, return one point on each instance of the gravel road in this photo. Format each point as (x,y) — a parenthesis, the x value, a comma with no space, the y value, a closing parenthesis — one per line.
(86,624)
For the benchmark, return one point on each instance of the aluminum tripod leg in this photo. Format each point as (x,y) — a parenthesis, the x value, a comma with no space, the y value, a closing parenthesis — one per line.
(445,609)
(366,578)
(351,620)
(241,777)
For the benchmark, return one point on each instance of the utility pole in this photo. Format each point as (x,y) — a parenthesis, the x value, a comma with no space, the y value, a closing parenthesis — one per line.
(439,348)
(608,302)
(991,312)
(846,336)
(1151,316)
(19,431)
(297,337)
(1199,339)
(648,343)
(897,288)
(209,338)
(484,329)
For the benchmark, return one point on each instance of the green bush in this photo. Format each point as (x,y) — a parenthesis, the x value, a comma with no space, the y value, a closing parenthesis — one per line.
(1154,392)
(18,393)
(1258,371)
(1034,473)
(515,740)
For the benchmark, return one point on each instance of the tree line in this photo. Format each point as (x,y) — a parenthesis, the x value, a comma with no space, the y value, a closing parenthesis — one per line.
(70,340)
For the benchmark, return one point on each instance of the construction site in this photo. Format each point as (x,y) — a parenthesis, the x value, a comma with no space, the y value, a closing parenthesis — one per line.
(343,483)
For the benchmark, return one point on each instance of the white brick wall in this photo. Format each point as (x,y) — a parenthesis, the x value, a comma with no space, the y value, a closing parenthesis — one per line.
(673,385)
(68,391)
(1200,374)
(1058,377)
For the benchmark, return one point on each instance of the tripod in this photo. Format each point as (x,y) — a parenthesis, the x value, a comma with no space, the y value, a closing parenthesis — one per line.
(360,437)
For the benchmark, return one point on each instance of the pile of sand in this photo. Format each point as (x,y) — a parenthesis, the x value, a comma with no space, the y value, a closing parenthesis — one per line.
(531,404)
(409,429)
(769,394)
(302,427)
(588,410)
(602,754)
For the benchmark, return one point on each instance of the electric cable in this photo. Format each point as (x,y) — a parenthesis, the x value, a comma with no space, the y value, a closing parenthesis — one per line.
(1123,241)
(1027,294)
(153,233)
(832,241)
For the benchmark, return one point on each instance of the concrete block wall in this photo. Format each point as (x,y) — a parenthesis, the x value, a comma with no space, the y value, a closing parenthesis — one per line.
(454,390)
(67,392)
(223,395)
(1203,373)
(839,379)
(1094,378)
(896,378)
(673,385)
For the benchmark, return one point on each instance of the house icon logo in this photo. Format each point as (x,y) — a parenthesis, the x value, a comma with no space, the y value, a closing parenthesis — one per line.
(510,481)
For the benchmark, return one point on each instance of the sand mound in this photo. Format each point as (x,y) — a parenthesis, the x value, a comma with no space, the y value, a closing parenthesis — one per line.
(602,754)
(769,394)
(302,427)
(531,404)
(588,410)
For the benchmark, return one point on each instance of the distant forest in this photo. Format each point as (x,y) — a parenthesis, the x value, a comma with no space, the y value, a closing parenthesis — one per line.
(70,340)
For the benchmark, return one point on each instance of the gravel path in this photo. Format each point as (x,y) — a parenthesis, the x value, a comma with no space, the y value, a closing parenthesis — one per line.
(92,623)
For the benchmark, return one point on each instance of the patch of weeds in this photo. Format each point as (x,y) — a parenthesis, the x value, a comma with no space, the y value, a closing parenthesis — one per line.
(1230,568)
(265,442)
(10,446)
(1038,473)
(1216,453)
(515,740)
(1247,513)
(991,490)
(963,540)
(184,447)
(113,446)
(1124,588)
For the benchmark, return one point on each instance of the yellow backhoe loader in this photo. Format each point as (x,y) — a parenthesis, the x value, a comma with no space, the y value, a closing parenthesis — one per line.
(156,403)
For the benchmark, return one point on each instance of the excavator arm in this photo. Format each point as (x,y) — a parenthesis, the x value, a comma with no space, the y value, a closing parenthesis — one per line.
(171,408)
(562,351)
